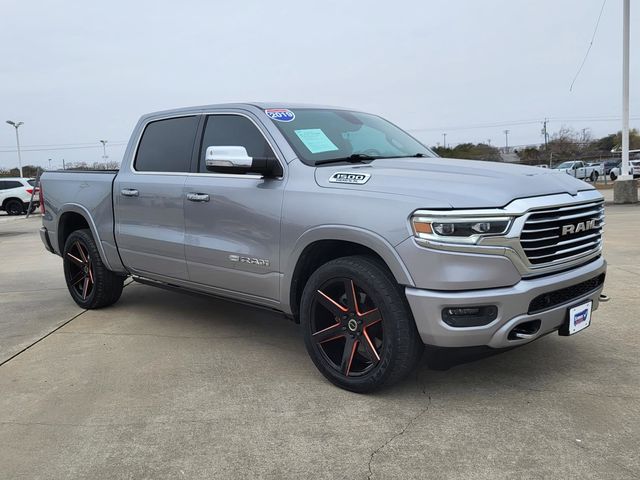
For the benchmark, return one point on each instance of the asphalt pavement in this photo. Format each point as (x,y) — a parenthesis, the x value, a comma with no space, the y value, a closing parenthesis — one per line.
(163,385)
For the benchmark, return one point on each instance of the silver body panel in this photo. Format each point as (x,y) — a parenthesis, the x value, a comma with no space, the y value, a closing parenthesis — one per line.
(244,239)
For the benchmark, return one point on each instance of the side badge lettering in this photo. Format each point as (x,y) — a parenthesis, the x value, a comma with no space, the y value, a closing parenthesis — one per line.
(354,178)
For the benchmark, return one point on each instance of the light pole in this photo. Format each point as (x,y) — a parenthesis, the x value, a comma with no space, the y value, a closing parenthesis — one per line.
(104,149)
(16,125)
(444,140)
(506,141)
(49,164)
(625,188)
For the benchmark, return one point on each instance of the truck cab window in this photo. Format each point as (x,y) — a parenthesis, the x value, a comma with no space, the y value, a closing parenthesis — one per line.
(233,130)
(167,145)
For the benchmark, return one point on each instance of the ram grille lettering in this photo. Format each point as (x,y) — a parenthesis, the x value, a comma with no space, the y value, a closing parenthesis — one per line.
(579,227)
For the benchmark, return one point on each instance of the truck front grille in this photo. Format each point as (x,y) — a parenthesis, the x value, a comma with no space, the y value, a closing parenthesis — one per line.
(563,234)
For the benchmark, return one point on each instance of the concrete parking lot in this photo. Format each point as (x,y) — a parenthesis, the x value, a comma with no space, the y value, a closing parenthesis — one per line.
(163,385)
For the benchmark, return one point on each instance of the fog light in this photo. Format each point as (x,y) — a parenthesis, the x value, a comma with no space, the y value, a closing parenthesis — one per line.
(469,316)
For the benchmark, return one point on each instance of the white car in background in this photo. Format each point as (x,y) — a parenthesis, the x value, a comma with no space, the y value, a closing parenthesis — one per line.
(15,194)
(579,169)
(634,169)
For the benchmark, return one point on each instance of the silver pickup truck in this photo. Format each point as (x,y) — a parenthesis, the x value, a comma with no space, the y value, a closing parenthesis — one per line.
(343,222)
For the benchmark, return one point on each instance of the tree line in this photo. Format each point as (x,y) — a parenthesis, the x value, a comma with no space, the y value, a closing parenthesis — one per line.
(566,144)
(32,170)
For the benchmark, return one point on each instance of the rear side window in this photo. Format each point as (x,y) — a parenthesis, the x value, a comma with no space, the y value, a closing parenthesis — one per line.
(31,182)
(7,184)
(167,145)
(236,131)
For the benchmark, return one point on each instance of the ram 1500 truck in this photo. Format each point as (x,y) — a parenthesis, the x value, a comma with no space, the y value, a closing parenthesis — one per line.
(343,222)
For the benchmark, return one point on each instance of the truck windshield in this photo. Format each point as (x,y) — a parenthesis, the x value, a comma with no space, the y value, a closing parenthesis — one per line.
(320,135)
(564,165)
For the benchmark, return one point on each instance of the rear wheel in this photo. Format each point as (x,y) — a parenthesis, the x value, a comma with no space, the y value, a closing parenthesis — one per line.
(594,176)
(14,207)
(613,176)
(358,328)
(90,283)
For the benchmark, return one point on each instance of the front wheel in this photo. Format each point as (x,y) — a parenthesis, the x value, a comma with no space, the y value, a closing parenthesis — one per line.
(90,283)
(358,328)
(613,176)
(594,176)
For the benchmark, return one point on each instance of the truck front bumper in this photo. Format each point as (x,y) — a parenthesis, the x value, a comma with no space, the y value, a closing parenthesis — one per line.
(514,308)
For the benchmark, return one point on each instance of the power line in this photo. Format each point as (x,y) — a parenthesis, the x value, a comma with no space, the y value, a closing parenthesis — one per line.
(593,37)
(80,147)
(512,123)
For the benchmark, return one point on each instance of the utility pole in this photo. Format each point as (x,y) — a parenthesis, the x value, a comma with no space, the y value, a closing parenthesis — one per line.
(49,164)
(625,188)
(444,140)
(545,133)
(506,141)
(104,149)
(16,125)
(64,167)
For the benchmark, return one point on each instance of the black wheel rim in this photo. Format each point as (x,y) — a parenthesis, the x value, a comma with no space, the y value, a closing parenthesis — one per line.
(346,327)
(81,277)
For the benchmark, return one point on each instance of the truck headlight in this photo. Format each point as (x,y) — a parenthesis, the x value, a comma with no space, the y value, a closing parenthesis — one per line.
(458,229)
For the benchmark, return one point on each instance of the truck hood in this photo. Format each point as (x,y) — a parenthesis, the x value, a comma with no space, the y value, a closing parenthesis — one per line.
(446,182)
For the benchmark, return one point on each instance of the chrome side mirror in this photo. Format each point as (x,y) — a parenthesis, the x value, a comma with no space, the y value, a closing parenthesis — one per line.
(231,156)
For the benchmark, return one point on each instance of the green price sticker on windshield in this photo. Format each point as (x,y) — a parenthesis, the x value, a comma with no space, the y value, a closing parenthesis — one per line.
(315,140)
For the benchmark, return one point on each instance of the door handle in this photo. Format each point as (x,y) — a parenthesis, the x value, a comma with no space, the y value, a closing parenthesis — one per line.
(198,197)
(129,192)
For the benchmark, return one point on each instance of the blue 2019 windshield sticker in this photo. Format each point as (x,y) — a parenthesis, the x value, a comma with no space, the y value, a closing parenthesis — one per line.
(280,114)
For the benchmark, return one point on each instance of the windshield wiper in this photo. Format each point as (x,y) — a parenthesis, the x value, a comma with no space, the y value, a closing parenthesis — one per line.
(354,158)
(359,157)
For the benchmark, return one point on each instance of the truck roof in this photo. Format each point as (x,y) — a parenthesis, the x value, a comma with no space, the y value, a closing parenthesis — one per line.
(259,105)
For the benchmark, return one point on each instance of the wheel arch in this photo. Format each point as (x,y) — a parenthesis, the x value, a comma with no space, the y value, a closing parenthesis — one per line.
(322,244)
(74,217)
(8,199)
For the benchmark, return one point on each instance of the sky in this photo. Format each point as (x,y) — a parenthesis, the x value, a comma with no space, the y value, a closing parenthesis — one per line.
(76,72)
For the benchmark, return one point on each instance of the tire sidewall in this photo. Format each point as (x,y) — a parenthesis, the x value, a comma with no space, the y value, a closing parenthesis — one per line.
(87,241)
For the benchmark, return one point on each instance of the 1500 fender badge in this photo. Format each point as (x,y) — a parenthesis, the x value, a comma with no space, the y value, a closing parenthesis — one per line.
(357,178)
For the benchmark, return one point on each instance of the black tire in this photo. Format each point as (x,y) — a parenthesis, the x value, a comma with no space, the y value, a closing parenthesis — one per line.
(594,176)
(14,207)
(364,340)
(613,176)
(89,282)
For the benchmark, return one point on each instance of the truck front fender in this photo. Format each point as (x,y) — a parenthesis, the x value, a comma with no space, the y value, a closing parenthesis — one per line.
(355,235)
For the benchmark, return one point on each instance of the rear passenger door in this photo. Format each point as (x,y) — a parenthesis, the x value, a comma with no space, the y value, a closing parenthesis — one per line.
(149,199)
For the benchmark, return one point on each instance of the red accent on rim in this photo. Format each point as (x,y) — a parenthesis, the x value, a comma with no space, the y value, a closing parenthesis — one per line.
(353,352)
(373,349)
(340,307)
